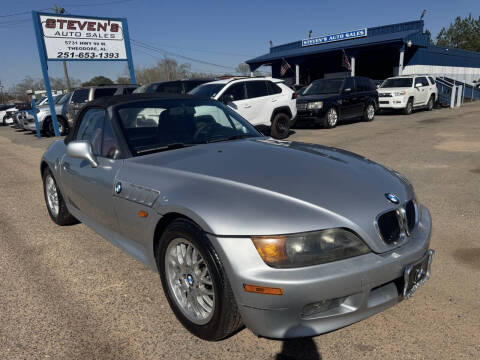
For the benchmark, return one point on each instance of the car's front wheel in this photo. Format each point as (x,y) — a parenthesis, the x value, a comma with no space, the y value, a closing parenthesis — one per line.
(331,118)
(57,209)
(369,112)
(195,282)
(280,126)
(408,108)
(61,126)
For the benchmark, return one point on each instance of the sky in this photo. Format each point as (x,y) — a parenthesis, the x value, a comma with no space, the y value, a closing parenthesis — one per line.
(221,32)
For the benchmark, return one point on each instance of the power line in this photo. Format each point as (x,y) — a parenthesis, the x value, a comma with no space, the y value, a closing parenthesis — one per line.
(22,13)
(153,48)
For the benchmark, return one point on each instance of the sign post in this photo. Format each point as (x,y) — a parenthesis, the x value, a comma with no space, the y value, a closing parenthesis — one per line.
(79,38)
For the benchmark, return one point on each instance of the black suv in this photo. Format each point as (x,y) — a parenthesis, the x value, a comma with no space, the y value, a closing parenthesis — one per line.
(328,101)
(172,87)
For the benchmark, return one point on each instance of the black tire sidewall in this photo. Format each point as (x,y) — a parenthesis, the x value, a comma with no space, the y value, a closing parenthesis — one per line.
(430,101)
(183,228)
(274,131)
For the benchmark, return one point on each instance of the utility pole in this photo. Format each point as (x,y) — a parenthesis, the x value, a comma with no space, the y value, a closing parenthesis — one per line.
(61,11)
(1,92)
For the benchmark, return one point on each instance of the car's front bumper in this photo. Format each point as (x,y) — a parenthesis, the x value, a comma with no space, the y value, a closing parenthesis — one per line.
(395,102)
(344,291)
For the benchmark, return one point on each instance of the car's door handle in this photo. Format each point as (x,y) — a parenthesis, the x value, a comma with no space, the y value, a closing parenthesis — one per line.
(273,100)
(247,106)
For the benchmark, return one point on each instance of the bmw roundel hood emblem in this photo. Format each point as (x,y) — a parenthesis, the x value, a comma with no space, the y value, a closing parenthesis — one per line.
(118,188)
(392,198)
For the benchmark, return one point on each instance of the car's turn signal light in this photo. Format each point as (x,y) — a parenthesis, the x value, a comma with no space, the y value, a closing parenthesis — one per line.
(263,289)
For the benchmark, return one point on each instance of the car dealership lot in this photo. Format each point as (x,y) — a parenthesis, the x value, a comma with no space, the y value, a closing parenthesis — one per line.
(67,293)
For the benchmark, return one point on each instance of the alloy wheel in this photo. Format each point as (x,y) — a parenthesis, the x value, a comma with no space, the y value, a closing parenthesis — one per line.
(370,112)
(52,195)
(189,280)
(332,117)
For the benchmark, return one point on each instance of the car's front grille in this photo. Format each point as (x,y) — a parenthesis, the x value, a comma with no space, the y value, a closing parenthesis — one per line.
(384,95)
(302,106)
(395,224)
(384,102)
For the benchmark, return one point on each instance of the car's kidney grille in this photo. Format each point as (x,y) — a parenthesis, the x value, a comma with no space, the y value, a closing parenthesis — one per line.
(389,224)
(389,227)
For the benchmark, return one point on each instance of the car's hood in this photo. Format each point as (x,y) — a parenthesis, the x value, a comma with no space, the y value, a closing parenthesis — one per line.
(308,98)
(266,186)
(391,90)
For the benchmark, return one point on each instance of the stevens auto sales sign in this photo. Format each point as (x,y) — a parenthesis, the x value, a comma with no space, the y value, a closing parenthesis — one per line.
(83,38)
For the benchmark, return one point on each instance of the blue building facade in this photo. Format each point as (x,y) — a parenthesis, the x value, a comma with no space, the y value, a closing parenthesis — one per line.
(376,52)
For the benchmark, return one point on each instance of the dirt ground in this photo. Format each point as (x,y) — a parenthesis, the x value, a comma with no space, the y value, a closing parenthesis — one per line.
(65,293)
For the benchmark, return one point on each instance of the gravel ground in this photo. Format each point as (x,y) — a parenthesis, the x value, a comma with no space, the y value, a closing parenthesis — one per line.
(65,293)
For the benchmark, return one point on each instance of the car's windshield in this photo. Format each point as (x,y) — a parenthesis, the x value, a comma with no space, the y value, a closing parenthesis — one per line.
(324,86)
(63,99)
(207,90)
(153,126)
(142,89)
(397,83)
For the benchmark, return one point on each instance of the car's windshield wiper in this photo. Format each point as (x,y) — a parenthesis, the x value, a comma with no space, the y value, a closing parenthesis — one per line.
(171,146)
(233,137)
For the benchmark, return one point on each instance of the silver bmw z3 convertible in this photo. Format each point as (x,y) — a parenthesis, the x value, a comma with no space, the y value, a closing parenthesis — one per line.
(286,238)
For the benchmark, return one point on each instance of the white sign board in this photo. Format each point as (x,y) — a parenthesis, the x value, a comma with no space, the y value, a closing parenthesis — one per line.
(74,38)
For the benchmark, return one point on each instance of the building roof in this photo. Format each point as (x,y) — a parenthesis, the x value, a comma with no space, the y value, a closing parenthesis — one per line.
(401,33)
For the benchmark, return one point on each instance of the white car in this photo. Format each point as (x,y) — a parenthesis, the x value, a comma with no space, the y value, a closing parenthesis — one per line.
(408,93)
(6,116)
(261,101)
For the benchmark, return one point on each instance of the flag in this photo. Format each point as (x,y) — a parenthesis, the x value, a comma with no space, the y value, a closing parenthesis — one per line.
(285,66)
(346,61)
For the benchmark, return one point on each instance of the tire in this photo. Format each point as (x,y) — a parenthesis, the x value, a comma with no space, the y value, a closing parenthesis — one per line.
(331,118)
(280,126)
(180,281)
(49,130)
(59,213)
(430,103)
(369,112)
(4,123)
(409,107)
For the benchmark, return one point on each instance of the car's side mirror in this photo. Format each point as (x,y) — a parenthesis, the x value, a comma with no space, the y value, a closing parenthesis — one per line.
(82,150)
(417,85)
(228,98)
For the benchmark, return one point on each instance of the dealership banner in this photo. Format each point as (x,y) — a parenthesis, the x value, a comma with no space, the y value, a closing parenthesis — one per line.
(79,38)
(347,35)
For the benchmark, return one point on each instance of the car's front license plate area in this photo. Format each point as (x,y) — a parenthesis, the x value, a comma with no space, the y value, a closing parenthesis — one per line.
(416,274)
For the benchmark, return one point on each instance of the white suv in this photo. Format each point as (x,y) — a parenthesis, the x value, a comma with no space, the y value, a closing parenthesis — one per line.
(261,101)
(408,93)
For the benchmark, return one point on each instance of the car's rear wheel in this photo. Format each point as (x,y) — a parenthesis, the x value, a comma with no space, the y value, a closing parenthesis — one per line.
(430,103)
(369,112)
(331,118)
(408,108)
(195,282)
(280,126)
(57,209)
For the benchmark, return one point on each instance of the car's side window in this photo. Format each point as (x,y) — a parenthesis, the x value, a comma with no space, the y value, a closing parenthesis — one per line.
(237,90)
(91,129)
(349,84)
(273,88)
(102,92)
(422,81)
(110,148)
(256,89)
(432,80)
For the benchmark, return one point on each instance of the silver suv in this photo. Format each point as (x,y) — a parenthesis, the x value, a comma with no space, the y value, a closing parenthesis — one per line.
(83,95)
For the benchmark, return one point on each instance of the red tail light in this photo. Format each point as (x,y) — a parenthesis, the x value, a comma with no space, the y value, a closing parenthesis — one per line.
(294,95)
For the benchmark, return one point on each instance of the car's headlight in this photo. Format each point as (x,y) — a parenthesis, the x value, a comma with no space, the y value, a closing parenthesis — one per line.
(315,105)
(310,248)
(400,93)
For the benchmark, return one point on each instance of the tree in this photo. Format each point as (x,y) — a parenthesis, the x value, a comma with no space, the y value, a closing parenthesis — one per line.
(244,70)
(123,80)
(98,80)
(462,34)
